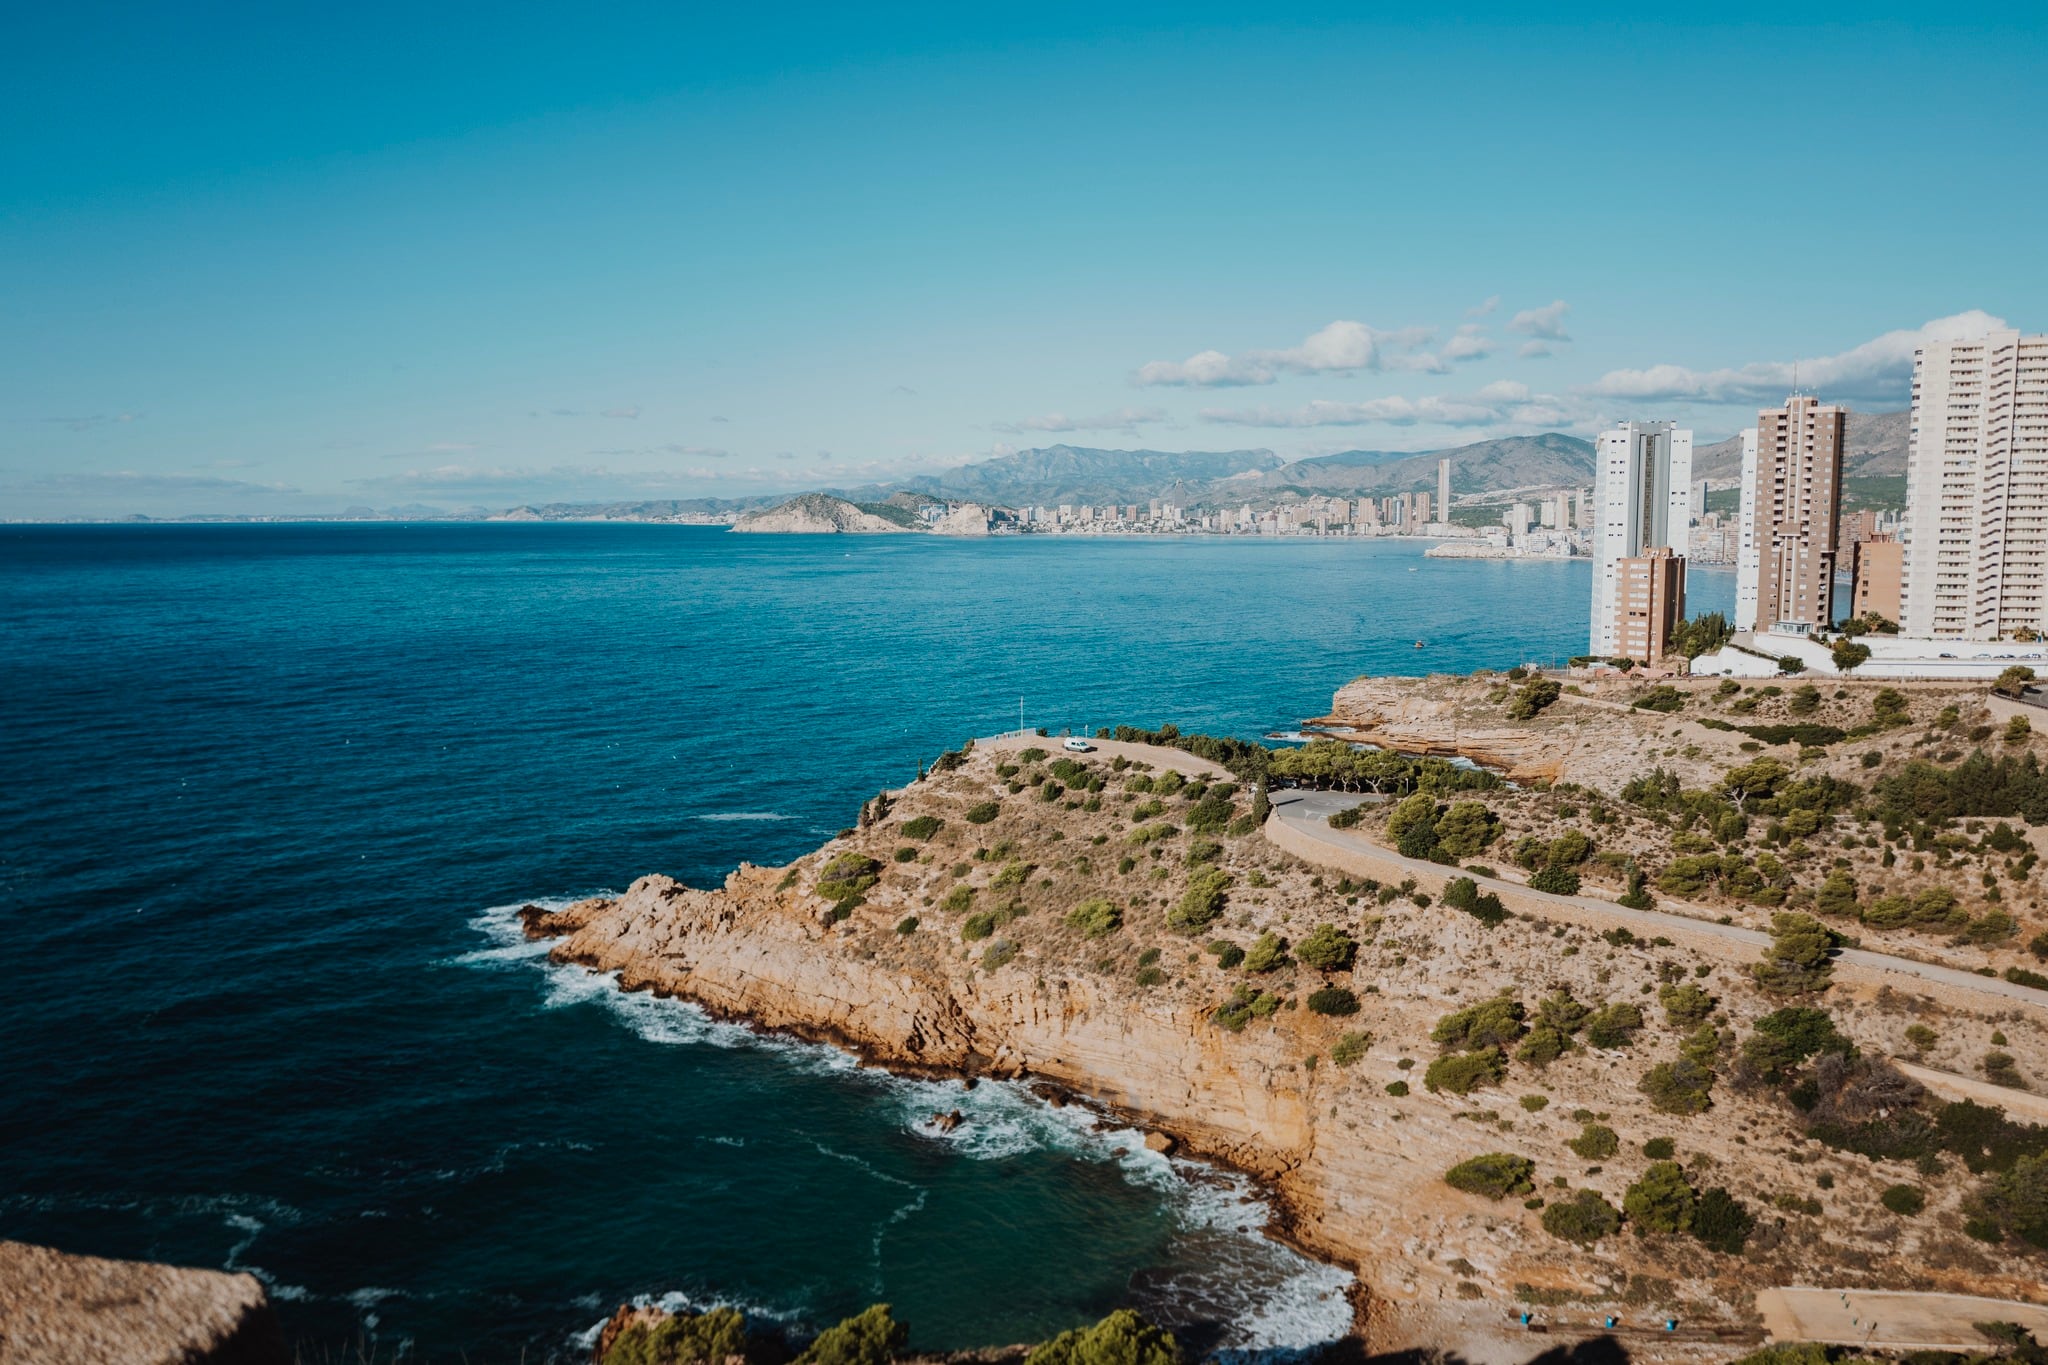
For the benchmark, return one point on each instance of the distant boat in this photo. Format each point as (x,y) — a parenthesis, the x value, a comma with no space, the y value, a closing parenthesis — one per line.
(1411,568)
(1420,643)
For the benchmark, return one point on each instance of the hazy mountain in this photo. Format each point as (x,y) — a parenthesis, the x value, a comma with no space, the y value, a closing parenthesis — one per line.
(1073,474)
(1873,446)
(1510,462)
(658,509)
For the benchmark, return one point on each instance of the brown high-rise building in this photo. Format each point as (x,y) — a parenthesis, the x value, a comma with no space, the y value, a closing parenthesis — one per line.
(1878,572)
(1649,603)
(1797,508)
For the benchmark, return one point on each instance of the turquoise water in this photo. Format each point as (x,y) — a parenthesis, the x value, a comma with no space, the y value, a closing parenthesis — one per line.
(268,796)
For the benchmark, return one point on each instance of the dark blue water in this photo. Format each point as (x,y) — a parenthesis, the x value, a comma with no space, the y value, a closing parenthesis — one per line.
(266,793)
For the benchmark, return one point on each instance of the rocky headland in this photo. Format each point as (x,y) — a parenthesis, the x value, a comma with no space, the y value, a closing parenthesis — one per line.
(57,1309)
(1456,1076)
(821,514)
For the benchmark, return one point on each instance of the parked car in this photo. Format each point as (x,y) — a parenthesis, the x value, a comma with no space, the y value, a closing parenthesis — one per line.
(1078,746)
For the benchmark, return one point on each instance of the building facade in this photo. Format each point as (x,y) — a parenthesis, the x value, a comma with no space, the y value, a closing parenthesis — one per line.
(1877,576)
(1650,600)
(1443,489)
(1976,529)
(1791,507)
(1642,501)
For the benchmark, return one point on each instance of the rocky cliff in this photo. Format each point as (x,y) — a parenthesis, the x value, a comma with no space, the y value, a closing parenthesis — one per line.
(66,1310)
(1111,929)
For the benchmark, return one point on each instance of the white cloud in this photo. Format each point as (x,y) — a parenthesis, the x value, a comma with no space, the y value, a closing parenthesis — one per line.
(1534,350)
(1340,347)
(627,412)
(1471,343)
(450,447)
(1492,305)
(1502,403)
(1546,322)
(1879,370)
(1123,419)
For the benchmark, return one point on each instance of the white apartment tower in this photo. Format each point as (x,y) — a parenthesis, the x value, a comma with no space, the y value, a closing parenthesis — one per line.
(1976,528)
(1642,501)
(1443,490)
(1748,558)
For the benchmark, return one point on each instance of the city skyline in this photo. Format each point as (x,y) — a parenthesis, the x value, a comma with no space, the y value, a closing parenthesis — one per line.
(258,264)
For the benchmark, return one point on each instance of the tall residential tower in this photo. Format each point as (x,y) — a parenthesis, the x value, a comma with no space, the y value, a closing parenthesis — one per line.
(1642,501)
(1791,504)
(1976,531)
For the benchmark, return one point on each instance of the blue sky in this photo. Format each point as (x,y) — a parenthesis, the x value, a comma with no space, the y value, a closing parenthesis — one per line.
(259,261)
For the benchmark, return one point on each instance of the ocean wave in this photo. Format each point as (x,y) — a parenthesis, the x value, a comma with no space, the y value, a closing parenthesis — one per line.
(720,817)
(1274,1303)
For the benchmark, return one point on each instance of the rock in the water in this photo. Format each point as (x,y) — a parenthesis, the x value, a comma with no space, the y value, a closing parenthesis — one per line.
(946,1123)
(1159,1142)
(65,1310)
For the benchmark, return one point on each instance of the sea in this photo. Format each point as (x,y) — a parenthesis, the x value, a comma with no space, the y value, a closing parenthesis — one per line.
(271,795)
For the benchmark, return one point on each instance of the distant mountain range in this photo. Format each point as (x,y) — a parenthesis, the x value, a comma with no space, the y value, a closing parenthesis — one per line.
(1874,446)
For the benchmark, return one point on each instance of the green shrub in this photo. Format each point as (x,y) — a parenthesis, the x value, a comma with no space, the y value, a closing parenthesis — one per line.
(1268,953)
(906,854)
(1397,1088)
(1681,1087)
(706,1338)
(2016,1201)
(923,827)
(1491,1023)
(1327,949)
(1614,1026)
(1462,893)
(1921,1037)
(1722,1222)
(1463,1072)
(1203,851)
(1659,1149)
(1228,954)
(1585,1218)
(978,926)
(848,875)
(1150,976)
(997,954)
(1210,813)
(1244,1006)
(1014,874)
(1685,1007)
(1202,902)
(1496,1175)
(1122,1338)
(1784,1039)
(983,813)
(1095,918)
(1350,1048)
(958,901)
(1558,881)
(1333,1000)
(1532,697)
(1663,697)
(1904,1200)
(1797,961)
(1030,756)
(868,1338)
(907,925)
(1595,1142)
(1535,1104)
(1661,1201)
(1465,829)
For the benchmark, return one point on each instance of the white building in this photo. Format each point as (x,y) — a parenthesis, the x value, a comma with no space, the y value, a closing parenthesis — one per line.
(1748,553)
(1976,527)
(1443,488)
(1642,500)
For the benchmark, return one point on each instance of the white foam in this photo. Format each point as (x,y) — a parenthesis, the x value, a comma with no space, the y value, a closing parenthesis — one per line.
(723,816)
(1278,1303)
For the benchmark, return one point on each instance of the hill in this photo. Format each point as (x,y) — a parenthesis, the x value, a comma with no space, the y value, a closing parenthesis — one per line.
(1874,447)
(1074,474)
(820,514)
(1551,458)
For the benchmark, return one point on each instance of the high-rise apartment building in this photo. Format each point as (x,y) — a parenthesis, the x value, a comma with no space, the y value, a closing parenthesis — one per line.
(1875,575)
(1423,516)
(1649,601)
(1443,488)
(1791,504)
(1642,501)
(1976,529)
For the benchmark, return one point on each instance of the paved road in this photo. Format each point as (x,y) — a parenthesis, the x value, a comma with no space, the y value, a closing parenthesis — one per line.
(1308,814)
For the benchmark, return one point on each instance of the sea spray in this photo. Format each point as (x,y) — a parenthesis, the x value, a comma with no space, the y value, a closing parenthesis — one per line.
(1264,1300)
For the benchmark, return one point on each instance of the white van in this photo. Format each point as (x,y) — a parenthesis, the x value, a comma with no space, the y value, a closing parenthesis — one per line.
(1078,745)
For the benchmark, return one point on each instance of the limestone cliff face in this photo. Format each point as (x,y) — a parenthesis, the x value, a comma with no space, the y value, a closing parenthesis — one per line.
(57,1309)
(755,953)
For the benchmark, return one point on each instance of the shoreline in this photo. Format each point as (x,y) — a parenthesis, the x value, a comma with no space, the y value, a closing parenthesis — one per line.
(1282,1221)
